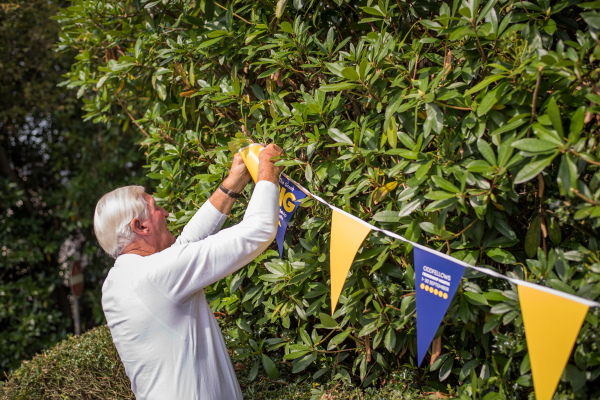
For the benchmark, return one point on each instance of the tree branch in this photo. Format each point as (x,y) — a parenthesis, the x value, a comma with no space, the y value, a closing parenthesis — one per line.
(165,137)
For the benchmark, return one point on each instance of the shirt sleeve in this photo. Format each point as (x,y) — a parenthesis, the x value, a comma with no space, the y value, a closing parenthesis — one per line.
(183,269)
(207,221)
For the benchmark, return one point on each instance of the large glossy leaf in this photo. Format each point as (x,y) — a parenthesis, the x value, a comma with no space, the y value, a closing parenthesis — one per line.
(487,152)
(269,366)
(501,256)
(535,145)
(339,136)
(533,169)
(444,184)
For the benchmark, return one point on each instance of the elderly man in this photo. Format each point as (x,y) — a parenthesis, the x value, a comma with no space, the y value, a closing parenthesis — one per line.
(153,298)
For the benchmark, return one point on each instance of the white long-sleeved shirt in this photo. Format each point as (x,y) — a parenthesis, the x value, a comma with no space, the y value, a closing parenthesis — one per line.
(161,324)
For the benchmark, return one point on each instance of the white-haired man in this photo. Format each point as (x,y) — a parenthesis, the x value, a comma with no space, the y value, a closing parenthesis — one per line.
(153,298)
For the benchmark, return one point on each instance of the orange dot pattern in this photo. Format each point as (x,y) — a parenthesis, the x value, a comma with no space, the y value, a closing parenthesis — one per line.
(434,291)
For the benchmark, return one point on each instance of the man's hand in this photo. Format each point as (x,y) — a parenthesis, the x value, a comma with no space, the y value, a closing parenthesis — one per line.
(235,182)
(238,176)
(267,171)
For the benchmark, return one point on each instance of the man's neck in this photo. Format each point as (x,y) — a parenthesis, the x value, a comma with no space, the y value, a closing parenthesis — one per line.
(140,248)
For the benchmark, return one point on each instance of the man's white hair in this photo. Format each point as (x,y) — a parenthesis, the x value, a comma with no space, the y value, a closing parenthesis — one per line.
(113,215)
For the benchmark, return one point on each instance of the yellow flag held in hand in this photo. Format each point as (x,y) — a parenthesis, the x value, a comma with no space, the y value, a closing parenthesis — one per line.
(250,156)
(551,326)
(347,234)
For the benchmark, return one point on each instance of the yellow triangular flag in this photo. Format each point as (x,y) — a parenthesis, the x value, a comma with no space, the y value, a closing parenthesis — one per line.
(552,324)
(347,234)
(250,156)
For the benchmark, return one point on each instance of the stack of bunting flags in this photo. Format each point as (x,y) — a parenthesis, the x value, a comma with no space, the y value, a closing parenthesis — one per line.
(552,319)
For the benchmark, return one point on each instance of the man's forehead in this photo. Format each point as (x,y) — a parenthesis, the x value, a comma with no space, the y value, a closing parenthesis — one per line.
(148,198)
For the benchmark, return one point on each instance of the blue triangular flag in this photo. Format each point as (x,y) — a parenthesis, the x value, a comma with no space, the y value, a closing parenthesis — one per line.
(436,280)
(289,199)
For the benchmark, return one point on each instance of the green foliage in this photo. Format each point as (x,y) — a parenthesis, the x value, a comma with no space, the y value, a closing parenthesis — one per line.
(53,168)
(80,367)
(88,367)
(467,126)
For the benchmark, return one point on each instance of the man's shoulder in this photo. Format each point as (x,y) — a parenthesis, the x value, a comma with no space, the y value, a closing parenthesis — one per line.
(125,270)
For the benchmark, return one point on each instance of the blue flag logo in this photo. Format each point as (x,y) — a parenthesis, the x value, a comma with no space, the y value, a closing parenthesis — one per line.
(436,281)
(289,199)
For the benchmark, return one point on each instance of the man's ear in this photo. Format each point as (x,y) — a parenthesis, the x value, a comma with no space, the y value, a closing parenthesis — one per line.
(138,227)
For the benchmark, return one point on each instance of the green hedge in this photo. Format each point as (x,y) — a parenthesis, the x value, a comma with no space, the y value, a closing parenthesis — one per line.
(467,126)
(80,367)
(87,367)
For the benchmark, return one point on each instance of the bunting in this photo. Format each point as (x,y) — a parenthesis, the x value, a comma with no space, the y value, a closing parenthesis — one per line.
(290,194)
(551,327)
(436,280)
(552,318)
(289,199)
(250,157)
(347,234)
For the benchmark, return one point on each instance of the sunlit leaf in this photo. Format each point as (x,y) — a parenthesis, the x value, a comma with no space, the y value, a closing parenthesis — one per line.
(382,191)
(339,136)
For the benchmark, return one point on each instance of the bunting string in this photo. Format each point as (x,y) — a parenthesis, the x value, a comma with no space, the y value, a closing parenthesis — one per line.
(486,271)
(552,319)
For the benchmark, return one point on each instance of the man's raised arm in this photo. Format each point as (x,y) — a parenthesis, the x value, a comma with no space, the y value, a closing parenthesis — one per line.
(224,197)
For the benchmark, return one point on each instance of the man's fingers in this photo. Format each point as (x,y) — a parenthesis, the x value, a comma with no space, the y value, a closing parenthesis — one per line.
(270,151)
(237,160)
